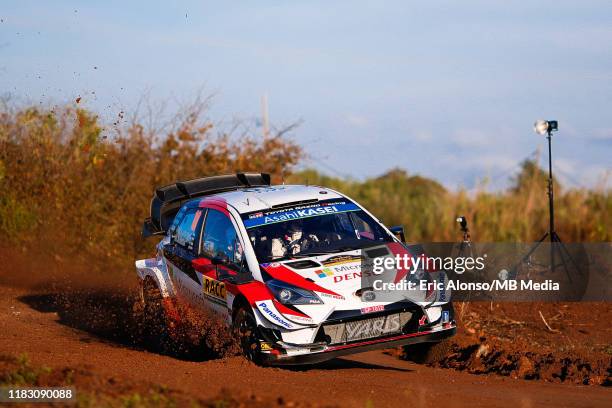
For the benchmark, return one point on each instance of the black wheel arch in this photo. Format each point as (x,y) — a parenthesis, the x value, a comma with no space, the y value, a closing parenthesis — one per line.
(240,301)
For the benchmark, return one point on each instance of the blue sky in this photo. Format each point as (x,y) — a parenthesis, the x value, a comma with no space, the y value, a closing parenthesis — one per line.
(446,89)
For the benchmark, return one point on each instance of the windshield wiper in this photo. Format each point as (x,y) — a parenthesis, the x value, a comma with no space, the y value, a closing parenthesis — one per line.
(305,255)
(308,254)
(319,253)
(296,256)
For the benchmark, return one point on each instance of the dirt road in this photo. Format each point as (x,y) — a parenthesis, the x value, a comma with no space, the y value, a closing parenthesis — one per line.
(66,336)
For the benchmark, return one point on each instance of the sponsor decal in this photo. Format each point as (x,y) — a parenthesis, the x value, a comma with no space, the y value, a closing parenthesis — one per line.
(275,317)
(445,316)
(371,309)
(329,295)
(263,189)
(442,291)
(423,320)
(189,291)
(347,276)
(214,288)
(347,268)
(299,213)
(324,273)
(373,327)
(299,319)
(341,259)
(265,346)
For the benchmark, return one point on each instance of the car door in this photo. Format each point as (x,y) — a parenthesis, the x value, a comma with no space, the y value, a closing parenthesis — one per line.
(182,250)
(221,259)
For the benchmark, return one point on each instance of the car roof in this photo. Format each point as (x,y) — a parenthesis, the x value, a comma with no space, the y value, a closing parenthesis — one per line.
(249,199)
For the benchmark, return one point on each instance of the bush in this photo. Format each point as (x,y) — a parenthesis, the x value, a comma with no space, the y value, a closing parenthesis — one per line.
(520,214)
(82,190)
(75,188)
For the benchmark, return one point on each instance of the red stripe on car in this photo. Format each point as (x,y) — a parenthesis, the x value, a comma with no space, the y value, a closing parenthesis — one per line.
(282,273)
(398,249)
(286,311)
(215,203)
(365,343)
(254,292)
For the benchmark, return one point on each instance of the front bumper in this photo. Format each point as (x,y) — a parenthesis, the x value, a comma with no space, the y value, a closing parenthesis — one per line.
(328,352)
(421,327)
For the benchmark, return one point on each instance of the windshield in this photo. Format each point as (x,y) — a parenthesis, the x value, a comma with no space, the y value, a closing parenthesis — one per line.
(319,228)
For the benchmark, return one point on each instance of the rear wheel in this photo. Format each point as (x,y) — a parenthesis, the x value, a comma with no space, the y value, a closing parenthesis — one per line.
(155,330)
(245,327)
(427,353)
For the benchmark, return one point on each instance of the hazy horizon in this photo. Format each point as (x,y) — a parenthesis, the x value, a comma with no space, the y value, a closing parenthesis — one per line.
(446,90)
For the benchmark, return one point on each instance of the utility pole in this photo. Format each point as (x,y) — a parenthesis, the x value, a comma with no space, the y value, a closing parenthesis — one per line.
(264,115)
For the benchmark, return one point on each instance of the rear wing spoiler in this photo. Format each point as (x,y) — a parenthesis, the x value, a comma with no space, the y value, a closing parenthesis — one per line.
(167,200)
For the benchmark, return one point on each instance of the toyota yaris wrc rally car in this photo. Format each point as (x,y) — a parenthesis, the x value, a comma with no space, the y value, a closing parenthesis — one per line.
(284,267)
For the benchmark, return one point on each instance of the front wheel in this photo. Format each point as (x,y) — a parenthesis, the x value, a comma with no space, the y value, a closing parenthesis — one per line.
(245,327)
(427,353)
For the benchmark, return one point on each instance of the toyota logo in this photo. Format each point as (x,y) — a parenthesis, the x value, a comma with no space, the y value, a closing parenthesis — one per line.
(368,296)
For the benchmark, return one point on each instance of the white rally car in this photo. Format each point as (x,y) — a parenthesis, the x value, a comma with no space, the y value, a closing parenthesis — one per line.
(284,266)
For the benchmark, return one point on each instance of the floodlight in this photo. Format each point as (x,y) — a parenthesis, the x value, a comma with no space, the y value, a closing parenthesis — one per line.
(546,127)
(543,127)
(463,222)
(540,127)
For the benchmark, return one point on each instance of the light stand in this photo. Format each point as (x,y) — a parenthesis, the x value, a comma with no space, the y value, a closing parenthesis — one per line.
(543,127)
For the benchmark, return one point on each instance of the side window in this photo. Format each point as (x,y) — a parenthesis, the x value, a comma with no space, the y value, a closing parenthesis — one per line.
(220,238)
(179,216)
(366,228)
(185,232)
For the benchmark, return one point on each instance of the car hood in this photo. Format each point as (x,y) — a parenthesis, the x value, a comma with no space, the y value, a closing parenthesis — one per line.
(340,278)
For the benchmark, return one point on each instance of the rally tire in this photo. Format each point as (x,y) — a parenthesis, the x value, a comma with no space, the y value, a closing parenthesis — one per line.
(427,353)
(155,331)
(247,333)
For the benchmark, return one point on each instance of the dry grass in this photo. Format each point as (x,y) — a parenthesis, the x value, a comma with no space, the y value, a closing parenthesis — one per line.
(428,211)
(75,189)
(68,187)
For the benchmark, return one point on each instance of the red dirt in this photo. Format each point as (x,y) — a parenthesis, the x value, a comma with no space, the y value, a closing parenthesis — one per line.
(512,339)
(90,331)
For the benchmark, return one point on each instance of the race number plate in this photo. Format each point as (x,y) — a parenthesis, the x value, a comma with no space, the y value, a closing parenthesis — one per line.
(367,328)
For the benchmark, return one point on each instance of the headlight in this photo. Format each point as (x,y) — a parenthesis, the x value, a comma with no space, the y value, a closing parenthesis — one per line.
(290,295)
(420,278)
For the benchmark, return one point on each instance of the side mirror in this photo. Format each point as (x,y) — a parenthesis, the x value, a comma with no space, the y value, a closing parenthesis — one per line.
(398,231)
(219,260)
(224,275)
